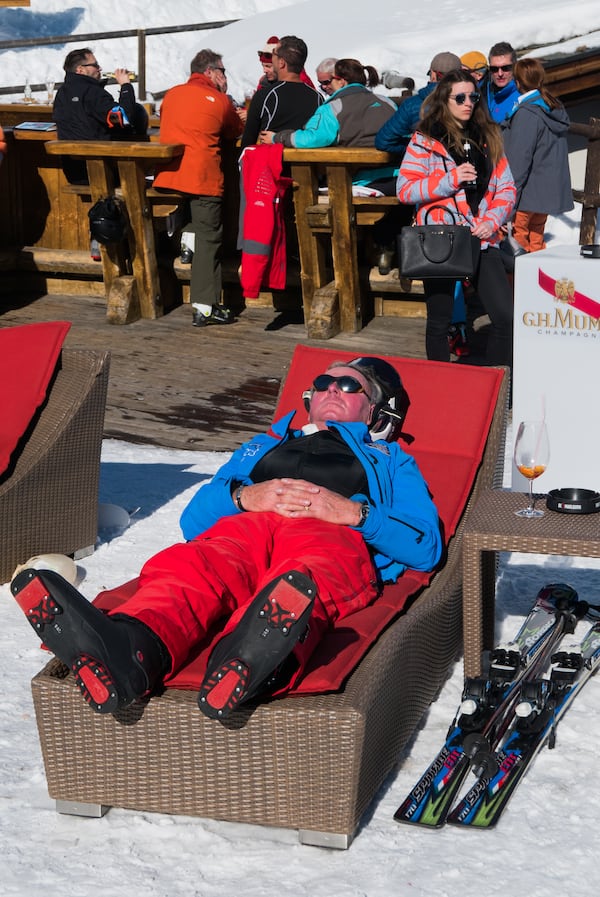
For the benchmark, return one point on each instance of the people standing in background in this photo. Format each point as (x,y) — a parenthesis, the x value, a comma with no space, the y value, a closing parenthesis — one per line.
(500,90)
(535,141)
(290,102)
(200,115)
(265,56)
(476,63)
(266,60)
(478,194)
(352,116)
(394,136)
(325,71)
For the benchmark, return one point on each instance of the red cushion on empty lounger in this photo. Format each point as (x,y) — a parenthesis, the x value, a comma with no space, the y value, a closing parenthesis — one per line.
(28,358)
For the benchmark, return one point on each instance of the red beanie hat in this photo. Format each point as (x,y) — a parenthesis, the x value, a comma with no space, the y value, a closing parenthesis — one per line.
(267,50)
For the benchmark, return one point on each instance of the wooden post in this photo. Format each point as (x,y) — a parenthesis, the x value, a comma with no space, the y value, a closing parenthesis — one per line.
(344,247)
(145,267)
(590,198)
(141,39)
(102,184)
(312,253)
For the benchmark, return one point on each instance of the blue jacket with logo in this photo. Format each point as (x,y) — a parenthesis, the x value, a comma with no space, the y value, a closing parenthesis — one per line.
(402,527)
(501,102)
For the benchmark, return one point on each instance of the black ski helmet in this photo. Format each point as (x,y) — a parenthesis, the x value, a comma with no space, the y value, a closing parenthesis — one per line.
(391,400)
(107,221)
(388,395)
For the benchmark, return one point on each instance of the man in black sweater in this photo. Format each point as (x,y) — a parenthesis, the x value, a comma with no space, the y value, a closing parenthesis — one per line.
(290,102)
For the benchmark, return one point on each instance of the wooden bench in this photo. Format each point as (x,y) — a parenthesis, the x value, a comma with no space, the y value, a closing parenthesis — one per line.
(129,295)
(332,223)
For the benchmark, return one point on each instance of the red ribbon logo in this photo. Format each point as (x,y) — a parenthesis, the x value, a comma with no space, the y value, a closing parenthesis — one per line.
(564,291)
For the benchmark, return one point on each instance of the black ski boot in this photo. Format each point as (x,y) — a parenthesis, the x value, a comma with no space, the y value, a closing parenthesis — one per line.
(115,660)
(243,661)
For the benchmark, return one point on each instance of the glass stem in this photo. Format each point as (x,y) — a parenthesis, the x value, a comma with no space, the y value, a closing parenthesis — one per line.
(530,508)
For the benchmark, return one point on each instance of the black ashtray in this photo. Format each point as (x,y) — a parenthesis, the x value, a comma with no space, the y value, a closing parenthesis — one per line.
(573,501)
(591,251)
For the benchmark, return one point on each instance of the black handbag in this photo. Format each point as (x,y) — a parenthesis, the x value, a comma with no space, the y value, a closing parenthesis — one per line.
(438,250)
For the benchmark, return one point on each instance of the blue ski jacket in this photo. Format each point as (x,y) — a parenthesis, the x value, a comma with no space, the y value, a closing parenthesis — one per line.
(402,528)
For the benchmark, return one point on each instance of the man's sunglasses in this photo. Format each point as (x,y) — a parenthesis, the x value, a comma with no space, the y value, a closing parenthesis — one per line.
(500,68)
(461,98)
(325,83)
(344,382)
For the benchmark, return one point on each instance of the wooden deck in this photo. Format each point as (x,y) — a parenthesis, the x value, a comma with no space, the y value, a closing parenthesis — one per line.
(175,385)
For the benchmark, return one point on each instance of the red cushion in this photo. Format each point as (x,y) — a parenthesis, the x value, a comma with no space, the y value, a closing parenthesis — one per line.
(28,357)
(449,417)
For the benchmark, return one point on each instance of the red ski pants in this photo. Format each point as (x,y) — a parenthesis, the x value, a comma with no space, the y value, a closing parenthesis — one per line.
(188,587)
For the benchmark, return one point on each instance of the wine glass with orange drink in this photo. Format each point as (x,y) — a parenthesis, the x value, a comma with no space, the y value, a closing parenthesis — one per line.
(532,454)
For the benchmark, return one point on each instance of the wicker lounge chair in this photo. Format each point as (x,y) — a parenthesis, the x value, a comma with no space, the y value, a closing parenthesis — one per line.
(311,762)
(49,493)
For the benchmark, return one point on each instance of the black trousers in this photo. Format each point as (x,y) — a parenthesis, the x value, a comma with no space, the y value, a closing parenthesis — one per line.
(495,292)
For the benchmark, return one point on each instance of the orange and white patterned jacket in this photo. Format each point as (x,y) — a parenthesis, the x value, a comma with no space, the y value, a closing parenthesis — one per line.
(428,179)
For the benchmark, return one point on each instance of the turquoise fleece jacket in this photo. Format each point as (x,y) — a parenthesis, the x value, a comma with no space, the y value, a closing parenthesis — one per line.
(402,528)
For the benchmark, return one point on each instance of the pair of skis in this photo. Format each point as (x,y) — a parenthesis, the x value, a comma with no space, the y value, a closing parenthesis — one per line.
(507,715)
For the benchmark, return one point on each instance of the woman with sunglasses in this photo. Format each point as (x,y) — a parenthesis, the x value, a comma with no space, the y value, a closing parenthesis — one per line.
(479,194)
(299,528)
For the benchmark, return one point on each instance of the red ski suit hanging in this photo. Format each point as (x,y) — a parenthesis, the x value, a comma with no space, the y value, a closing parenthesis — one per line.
(262,214)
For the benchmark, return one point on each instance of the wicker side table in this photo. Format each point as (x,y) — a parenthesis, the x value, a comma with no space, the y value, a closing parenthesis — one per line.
(492,527)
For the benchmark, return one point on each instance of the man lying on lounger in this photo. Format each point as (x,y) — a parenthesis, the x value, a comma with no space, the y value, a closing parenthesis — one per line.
(300,528)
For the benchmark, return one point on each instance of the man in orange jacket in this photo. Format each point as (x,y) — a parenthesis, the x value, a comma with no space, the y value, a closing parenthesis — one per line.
(200,115)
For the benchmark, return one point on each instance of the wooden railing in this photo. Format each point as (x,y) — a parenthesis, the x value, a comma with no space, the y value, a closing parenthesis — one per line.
(589,197)
(141,34)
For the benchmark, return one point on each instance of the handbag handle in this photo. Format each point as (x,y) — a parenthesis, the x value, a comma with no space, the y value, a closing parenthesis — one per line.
(444,209)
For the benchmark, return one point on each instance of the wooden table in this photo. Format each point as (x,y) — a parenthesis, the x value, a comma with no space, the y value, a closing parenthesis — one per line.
(331,306)
(492,526)
(12,114)
(133,161)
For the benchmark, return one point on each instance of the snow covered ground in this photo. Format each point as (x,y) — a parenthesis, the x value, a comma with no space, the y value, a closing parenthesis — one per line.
(546,843)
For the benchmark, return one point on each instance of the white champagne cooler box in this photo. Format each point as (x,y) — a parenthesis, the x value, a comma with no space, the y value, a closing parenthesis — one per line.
(557,363)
